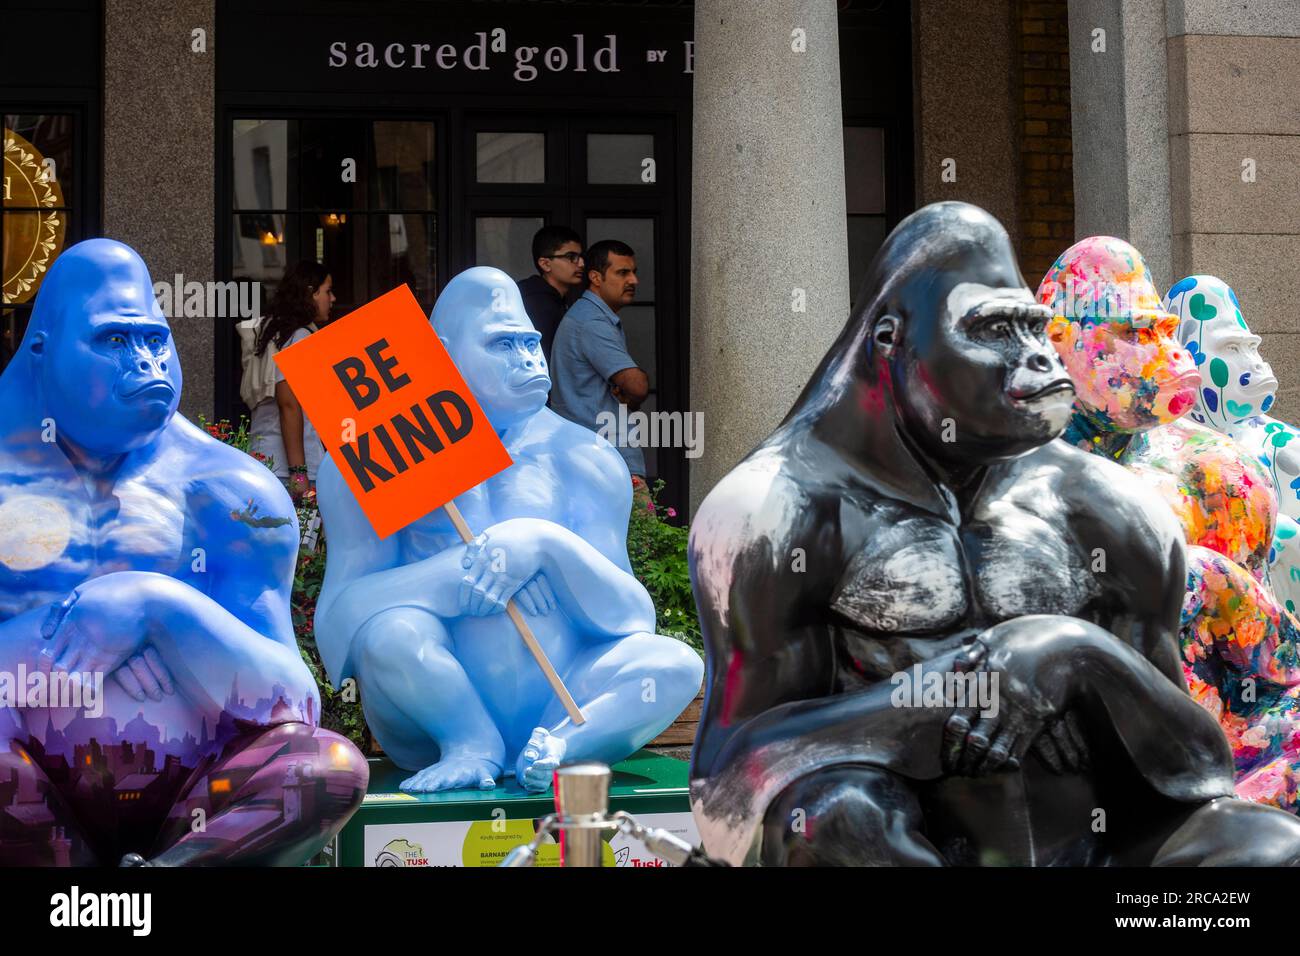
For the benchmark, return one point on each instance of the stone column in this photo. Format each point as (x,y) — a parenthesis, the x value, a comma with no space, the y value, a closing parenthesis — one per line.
(966,100)
(1120,119)
(158,157)
(1234,135)
(768,226)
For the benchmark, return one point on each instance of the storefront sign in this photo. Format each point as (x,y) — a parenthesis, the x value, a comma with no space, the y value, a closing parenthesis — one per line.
(525,63)
(470,48)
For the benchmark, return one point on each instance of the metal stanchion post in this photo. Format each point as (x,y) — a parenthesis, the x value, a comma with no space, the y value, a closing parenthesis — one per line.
(582,818)
(582,802)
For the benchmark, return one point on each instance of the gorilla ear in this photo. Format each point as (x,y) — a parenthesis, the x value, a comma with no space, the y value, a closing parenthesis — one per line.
(38,343)
(885,334)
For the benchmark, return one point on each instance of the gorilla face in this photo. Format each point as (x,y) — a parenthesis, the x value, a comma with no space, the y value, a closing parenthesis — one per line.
(110,379)
(1129,379)
(1236,381)
(501,359)
(981,383)
(1118,342)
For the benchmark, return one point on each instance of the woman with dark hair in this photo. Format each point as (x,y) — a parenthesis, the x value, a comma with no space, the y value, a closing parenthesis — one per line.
(300,305)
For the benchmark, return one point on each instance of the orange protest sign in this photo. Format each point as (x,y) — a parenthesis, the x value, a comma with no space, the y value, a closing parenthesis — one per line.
(393,411)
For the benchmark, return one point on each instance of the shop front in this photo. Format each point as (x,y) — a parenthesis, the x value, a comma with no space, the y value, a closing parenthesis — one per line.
(405,142)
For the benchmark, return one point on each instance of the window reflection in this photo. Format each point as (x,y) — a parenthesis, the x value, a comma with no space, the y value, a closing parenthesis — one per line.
(510,157)
(331,163)
(618,157)
(506,242)
(295,198)
(260,164)
(403,248)
(403,166)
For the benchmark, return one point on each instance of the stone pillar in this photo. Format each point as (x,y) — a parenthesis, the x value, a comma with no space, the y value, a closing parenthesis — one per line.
(1234,134)
(966,76)
(1120,120)
(158,157)
(768,222)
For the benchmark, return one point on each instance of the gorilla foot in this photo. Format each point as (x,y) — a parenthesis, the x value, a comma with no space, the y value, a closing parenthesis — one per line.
(537,761)
(454,773)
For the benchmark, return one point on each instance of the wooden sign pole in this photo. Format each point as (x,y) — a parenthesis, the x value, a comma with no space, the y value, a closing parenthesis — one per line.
(525,631)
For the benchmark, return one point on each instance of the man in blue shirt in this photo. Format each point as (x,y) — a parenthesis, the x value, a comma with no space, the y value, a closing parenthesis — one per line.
(591,370)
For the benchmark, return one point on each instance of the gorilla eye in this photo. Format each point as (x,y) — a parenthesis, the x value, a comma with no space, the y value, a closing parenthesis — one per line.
(1000,327)
(117,339)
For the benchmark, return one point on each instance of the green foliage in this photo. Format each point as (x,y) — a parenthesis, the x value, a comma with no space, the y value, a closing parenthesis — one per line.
(340,712)
(658,552)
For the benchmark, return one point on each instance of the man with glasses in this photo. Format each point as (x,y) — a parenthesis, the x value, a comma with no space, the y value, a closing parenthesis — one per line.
(557,255)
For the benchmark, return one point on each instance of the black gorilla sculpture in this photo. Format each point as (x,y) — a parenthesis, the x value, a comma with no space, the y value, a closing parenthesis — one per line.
(912,521)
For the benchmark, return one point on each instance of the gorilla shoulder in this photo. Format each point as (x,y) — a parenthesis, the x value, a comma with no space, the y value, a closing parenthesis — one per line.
(756,506)
(227,476)
(597,463)
(1101,493)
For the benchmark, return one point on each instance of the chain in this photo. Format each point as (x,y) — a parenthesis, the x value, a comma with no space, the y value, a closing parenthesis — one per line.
(668,847)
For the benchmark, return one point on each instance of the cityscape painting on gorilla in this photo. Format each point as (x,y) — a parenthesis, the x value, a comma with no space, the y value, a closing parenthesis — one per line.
(122,780)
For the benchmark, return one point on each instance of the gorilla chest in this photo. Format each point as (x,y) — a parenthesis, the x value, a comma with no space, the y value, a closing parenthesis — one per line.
(918,575)
(527,489)
(53,536)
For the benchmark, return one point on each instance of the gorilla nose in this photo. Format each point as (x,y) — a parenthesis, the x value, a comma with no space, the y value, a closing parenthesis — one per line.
(1038,362)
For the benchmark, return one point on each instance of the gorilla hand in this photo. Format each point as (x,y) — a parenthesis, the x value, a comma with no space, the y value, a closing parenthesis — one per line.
(98,628)
(498,564)
(1036,680)
(1062,746)
(145,675)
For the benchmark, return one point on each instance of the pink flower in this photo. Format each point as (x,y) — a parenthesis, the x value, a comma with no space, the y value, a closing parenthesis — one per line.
(672,512)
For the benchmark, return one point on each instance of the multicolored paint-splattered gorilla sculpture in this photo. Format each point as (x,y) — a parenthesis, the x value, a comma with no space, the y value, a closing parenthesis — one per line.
(1237,389)
(153,563)
(1135,384)
(912,524)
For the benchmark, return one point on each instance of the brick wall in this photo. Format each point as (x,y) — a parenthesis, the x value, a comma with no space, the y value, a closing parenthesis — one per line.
(1046,200)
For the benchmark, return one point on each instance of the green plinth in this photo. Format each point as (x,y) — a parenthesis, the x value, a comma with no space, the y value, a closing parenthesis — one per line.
(478,827)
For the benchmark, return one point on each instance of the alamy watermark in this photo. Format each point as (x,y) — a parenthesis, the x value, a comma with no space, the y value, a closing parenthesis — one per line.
(212,300)
(82,690)
(653,430)
(921,688)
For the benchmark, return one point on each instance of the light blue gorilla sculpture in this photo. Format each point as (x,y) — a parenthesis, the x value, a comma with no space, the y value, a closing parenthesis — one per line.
(155,564)
(447,686)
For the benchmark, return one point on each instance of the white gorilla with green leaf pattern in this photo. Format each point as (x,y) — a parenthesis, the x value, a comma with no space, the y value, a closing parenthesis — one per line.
(1237,390)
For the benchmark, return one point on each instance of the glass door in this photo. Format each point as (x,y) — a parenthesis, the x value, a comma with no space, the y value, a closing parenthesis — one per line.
(607,178)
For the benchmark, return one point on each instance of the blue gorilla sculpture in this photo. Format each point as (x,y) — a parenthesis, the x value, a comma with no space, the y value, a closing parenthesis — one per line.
(446,684)
(163,713)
